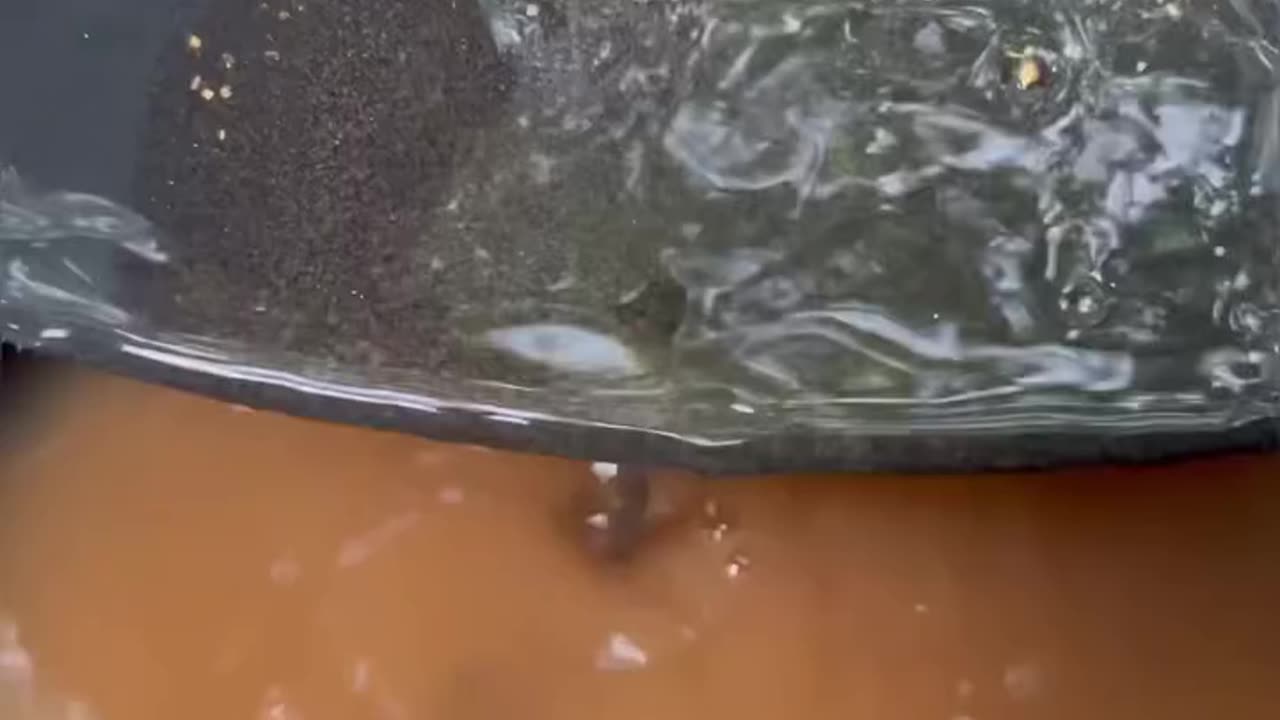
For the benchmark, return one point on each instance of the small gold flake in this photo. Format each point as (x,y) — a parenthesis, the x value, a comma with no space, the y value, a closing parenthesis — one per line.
(194,43)
(208,94)
(1031,70)
(224,92)
(1029,74)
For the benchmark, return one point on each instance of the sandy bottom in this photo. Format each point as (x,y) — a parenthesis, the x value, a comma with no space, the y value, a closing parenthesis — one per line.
(164,557)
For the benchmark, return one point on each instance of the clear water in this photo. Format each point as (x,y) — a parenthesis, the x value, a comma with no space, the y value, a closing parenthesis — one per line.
(858,215)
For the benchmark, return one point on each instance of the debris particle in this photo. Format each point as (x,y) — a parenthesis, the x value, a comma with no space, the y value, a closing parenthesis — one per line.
(196,82)
(621,653)
(224,92)
(283,15)
(921,609)
(194,43)
(286,570)
(719,532)
(208,94)
(599,521)
(738,564)
(228,61)
(222,135)
(361,676)
(1023,680)
(271,55)
(451,495)
(532,10)
(604,471)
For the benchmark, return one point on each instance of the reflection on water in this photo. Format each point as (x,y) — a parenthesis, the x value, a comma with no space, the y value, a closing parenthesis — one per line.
(163,556)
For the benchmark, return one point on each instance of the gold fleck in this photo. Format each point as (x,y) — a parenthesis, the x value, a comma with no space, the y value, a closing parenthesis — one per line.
(224,92)
(196,82)
(207,94)
(194,43)
(1030,74)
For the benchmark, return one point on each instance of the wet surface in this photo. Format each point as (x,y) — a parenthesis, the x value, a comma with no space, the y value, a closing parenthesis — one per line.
(164,556)
(699,219)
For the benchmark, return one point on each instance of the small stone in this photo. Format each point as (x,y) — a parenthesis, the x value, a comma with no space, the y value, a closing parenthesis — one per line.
(208,94)
(224,92)
(196,83)
(194,43)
